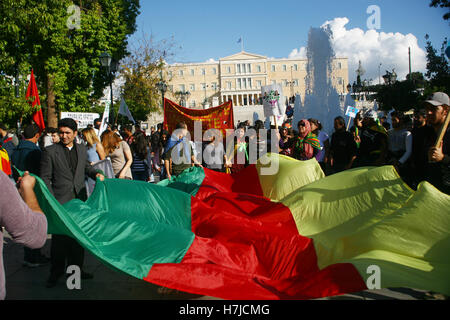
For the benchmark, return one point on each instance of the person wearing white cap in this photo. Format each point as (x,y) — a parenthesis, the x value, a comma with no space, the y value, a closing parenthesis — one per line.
(433,163)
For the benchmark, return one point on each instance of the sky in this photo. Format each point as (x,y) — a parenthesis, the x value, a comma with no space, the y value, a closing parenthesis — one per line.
(203,30)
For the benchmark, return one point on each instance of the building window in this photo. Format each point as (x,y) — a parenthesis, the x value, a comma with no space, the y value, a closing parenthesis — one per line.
(249,68)
(296,82)
(203,71)
(258,68)
(181,73)
(182,87)
(192,87)
(274,81)
(239,83)
(214,71)
(192,72)
(214,86)
(339,80)
(192,103)
(285,82)
(244,81)
(238,68)
(258,84)
(295,67)
(284,67)
(229,69)
(169,74)
(273,68)
(203,86)
(339,65)
(249,82)
(243,68)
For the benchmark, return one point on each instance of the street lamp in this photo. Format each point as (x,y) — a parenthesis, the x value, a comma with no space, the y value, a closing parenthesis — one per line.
(111,67)
(162,86)
(184,95)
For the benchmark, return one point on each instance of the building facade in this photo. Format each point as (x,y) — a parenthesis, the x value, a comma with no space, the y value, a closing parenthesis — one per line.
(239,78)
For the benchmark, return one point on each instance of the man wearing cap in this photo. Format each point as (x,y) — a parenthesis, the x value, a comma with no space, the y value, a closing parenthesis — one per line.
(373,147)
(433,163)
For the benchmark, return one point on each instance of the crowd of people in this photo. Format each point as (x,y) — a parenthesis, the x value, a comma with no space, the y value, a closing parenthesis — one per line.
(64,157)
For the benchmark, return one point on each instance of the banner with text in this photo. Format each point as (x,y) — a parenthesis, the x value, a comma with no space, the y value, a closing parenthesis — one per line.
(220,117)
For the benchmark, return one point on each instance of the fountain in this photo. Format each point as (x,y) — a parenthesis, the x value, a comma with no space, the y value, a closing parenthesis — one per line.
(321,98)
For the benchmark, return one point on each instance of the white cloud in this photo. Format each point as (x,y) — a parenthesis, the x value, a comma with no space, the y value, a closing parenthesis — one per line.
(372,48)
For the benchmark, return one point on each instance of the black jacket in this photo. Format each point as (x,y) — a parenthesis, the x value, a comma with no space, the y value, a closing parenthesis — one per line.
(56,173)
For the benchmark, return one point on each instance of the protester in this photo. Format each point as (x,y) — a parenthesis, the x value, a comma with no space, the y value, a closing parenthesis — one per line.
(324,140)
(306,144)
(97,124)
(55,135)
(21,216)
(373,147)
(237,151)
(27,157)
(156,147)
(120,154)
(128,134)
(178,153)
(399,142)
(214,154)
(164,139)
(46,139)
(141,167)
(63,169)
(286,142)
(342,147)
(357,127)
(7,140)
(95,150)
(433,163)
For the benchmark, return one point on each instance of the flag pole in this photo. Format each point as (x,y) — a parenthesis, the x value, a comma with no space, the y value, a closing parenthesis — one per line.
(242,43)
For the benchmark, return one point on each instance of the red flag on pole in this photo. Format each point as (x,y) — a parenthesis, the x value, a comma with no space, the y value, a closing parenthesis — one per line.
(33,98)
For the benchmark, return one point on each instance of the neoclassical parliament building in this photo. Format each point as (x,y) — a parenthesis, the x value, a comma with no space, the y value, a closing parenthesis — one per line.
(239,78)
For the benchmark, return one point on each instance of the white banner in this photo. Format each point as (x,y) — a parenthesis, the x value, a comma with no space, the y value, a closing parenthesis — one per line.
(81,118)
(273,100)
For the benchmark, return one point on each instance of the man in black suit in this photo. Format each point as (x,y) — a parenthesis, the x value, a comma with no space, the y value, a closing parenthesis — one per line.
(63,169)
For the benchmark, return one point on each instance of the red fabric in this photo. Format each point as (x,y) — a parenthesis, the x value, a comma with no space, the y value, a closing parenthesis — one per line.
(247,247)
(33,98)
(221,182)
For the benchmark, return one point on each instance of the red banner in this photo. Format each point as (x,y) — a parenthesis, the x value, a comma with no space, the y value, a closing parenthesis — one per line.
(220,117)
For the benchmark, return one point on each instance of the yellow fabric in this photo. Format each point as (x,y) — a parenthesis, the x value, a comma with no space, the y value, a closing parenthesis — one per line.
(290,174)
(369,216)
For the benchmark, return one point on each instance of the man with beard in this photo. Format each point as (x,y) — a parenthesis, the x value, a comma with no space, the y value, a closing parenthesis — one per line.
(432,163)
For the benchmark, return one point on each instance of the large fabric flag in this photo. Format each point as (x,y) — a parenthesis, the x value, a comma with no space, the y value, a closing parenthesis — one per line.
(220,117)
(32,97)
(293,235)
(123,110)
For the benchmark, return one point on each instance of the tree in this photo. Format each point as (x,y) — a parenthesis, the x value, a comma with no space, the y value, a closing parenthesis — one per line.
(141,71)
(442,4)
(401,96)
(64,55)
(438,70)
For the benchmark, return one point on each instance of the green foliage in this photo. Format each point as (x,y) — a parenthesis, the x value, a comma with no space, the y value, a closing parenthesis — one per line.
(402,96)
(36,33)
(141,71)
(438,70)
(442,4)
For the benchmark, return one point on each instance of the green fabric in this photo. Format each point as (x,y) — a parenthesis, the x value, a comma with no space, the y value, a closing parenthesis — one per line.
(189,181)
(106,227)
(369,216)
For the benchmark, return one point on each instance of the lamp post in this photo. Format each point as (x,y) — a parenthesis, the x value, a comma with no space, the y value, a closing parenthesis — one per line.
(162,86)
(184,96)
(111,67)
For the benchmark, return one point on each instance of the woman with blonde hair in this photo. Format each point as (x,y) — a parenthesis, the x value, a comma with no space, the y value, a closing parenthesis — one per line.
(95,151)
(120,154)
